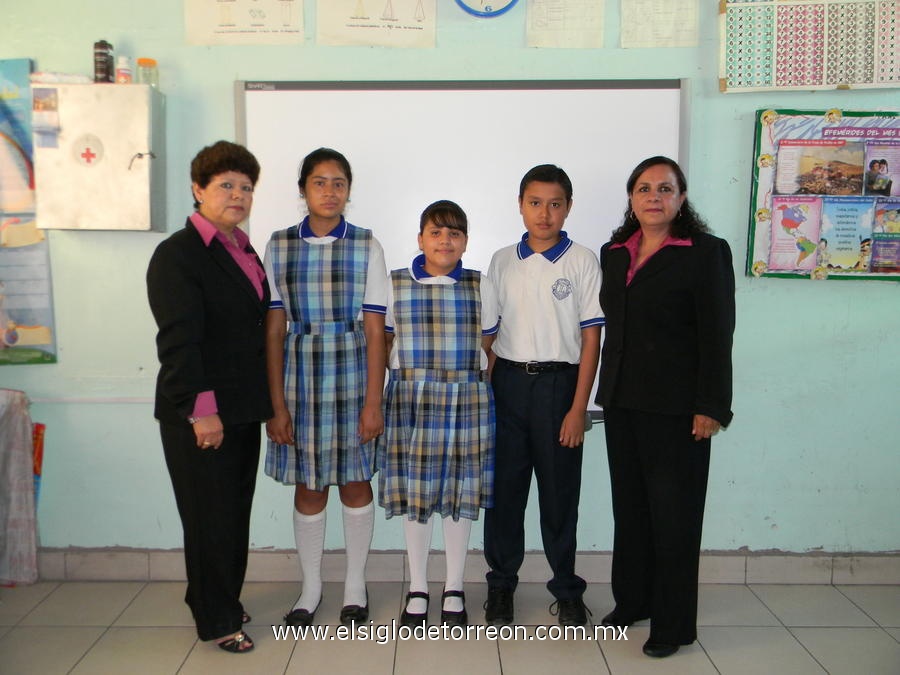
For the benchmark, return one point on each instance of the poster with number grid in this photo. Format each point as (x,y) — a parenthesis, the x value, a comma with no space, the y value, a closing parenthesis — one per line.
(806,45)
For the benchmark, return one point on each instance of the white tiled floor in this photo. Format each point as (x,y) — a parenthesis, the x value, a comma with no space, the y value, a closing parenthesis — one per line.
(95,628)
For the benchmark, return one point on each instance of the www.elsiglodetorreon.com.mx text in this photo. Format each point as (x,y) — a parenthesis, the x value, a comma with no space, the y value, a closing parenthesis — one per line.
(385,633)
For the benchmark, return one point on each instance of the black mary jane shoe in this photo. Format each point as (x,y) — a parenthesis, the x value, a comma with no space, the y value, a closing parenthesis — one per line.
(355,613)
(659,650)
(300,617)
(411,618)
(449,618)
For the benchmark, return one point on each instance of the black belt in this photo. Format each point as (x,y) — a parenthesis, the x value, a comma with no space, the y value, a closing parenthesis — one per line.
(538,367)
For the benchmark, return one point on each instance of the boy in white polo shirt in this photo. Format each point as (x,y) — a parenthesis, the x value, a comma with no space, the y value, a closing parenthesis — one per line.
(544,360)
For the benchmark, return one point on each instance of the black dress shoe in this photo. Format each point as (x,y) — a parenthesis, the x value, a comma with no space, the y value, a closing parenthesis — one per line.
(616,619)
(412,618)
(572,612)
(498,609)
(449,618)
(659,650)
(355,613)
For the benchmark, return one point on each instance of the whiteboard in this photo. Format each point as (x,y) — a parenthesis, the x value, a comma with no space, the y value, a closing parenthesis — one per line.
(411,143)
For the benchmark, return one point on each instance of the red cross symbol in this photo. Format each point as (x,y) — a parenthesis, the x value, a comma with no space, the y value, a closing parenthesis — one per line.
(87,155)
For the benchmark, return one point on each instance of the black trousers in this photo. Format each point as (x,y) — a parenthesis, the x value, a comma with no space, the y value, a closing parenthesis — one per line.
(530,411)
(214,492)
(658,474)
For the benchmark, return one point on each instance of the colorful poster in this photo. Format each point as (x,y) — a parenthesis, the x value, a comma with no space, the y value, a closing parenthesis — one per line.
(883,168)
(795,233)
(847,230)
(885,253)
(819,167)
(26,301)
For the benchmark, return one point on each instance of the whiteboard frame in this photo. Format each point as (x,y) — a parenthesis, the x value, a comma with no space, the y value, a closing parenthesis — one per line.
(484,136)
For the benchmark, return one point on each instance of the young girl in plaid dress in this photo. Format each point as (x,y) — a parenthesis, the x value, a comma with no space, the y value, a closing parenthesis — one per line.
(325,354)
(437,453)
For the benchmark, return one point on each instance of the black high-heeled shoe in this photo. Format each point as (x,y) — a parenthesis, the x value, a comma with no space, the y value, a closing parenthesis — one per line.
(412,618)
(449,618)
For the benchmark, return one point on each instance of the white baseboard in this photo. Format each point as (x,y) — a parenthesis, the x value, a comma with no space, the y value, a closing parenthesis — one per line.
(77,564)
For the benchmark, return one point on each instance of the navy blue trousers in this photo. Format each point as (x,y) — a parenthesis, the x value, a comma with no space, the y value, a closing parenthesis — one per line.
(530,411)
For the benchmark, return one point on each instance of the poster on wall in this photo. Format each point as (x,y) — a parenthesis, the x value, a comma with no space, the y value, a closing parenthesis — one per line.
(26,302)
(825,200)
(808,44)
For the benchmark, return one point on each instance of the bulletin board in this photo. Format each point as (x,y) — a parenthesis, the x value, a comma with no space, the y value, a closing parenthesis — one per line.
(825,199)
(808,44)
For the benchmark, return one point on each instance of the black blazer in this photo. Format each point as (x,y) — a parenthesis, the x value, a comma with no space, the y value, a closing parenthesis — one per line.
(211,331)
(669,334)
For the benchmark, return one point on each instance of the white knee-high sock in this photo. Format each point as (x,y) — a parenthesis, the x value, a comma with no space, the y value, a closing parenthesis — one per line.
(309,534)
(359,523)
(456,547)
(418,545)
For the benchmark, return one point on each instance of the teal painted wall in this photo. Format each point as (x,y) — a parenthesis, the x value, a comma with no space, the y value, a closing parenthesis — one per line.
(811,461)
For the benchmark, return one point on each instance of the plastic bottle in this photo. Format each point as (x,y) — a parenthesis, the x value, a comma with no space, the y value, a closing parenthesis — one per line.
(123,70)
(147,72)
(104,70)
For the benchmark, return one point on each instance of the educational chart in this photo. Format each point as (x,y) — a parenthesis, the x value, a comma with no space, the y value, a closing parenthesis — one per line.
(826,195)
(808,44)
(566,24)
(243,22)
(376,23)
(659,23)
(26,304)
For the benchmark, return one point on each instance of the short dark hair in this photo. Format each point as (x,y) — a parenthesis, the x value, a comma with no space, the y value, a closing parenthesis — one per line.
(547,173)
(686,224)
(444,213)
(221,157)
(316,157)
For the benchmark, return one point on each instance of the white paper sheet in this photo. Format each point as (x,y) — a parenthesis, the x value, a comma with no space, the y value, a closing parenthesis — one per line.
(659,23)
(376,23)
(576,24)
(243,22)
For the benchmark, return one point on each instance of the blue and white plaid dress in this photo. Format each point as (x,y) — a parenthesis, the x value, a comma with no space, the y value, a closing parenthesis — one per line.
(437,451)
(322,288)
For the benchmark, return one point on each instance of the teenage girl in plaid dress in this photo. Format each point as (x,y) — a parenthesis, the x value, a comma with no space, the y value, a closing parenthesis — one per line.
(437,453)
(325,354)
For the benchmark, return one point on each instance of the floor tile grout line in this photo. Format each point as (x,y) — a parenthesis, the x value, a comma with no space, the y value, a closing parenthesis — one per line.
(39,603)
(109,625)
(187,655)
(806,649)
(708,656)
(787,628)
(861,609)
(129,603)
(88,650)
(763,603)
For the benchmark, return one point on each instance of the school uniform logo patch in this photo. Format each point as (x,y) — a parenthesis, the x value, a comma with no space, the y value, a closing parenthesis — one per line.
(562,289)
